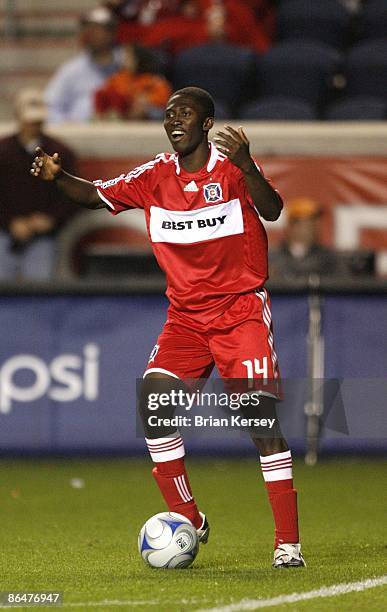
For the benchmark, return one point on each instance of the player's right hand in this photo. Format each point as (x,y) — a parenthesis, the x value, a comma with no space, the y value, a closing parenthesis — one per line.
(44,166)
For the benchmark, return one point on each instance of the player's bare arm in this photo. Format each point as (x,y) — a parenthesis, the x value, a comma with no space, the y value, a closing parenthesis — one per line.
(235,145)
(80,191)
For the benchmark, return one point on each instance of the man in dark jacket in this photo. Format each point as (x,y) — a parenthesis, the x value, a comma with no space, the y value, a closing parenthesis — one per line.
(31,213)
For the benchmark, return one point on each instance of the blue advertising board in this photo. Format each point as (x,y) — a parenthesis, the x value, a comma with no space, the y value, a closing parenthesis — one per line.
(69,364)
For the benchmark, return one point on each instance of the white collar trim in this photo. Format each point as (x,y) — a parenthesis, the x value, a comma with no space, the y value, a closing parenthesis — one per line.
(176,160)
(214,156)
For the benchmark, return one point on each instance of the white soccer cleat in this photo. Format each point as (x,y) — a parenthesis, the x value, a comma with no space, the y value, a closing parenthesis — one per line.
(288,555)
(204,531)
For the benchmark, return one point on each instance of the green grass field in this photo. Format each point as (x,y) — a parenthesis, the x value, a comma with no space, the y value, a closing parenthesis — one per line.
(83,541)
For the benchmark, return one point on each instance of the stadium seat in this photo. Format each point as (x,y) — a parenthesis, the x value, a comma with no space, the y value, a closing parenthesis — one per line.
(278,108)
(373,19)
(358,108)
(326,21)
(366,69)
(298,68)
(222,69)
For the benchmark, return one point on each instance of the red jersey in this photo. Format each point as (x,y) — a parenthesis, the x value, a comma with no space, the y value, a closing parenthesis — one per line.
(205,231)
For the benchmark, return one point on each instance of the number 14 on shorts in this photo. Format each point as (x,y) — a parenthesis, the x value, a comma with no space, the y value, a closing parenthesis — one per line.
(254,367)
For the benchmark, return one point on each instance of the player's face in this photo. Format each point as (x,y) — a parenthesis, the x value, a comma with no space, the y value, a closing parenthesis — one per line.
(185,125)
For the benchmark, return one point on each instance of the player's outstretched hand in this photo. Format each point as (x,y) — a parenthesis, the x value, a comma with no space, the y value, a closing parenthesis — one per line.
(235,145)
(44,166)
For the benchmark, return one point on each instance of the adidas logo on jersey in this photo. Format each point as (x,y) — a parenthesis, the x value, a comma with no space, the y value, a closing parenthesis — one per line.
(192,186)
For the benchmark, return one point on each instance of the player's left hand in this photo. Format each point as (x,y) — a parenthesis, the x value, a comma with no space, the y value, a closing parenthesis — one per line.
(235,145)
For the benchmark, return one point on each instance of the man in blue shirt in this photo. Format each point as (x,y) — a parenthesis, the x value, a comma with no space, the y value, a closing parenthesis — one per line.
(70,93)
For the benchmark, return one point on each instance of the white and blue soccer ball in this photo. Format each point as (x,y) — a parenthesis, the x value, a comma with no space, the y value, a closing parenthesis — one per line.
(168,540)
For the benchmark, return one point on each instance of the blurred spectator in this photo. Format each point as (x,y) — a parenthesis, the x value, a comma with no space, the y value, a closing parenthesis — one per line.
(70,93)
(32,212)
(137,17)
(301,254)
(186,28)
(233,21)
(265,14)
(179,25)
(143,11)
(134,92)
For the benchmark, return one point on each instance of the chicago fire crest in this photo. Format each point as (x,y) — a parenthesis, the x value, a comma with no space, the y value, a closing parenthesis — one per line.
(213,192)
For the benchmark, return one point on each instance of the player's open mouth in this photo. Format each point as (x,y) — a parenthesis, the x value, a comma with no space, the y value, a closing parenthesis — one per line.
(177,135)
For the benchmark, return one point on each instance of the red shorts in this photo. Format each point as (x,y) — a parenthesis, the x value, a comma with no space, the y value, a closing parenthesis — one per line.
(239,342)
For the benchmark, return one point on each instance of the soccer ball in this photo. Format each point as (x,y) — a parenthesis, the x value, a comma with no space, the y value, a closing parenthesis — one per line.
(168,540)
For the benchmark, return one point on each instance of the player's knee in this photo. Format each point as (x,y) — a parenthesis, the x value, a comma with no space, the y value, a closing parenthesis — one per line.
(157,403)
(270,446)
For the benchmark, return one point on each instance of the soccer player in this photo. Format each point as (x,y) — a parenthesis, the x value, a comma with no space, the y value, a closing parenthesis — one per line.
(203,206)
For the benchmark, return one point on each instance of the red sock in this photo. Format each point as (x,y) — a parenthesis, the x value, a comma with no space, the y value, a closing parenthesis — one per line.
(277,472)
(172,479)
(170,474)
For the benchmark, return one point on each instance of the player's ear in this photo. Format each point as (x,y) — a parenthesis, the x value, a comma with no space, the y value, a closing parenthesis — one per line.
(208,124)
